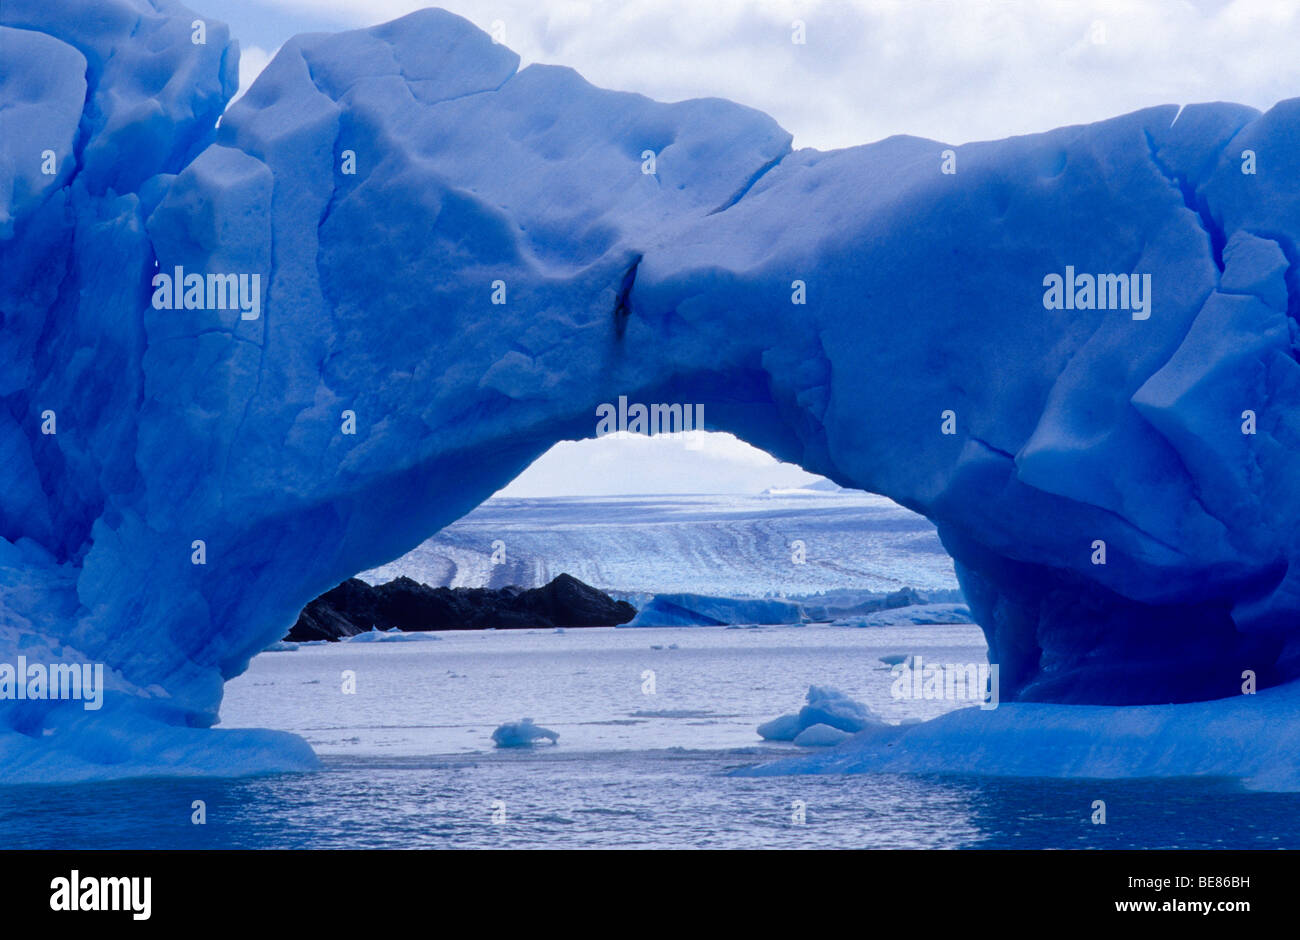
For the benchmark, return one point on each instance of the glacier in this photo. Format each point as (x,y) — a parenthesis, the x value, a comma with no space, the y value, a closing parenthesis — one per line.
(695,610)
(727,544)
(178,483)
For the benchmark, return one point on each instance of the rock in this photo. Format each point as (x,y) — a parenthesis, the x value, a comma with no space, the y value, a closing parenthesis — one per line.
(355,607)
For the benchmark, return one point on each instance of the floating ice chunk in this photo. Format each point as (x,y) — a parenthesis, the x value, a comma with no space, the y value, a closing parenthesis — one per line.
(522,733)
(826,706)
(1250,738)
(832,707)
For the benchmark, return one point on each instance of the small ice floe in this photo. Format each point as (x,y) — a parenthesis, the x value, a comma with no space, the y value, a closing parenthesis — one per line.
(559,630)
(522,733)
(827,708)
(281,646)
(894,659)
(391,635)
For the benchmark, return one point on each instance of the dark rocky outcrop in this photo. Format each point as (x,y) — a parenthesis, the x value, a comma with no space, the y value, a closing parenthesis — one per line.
(355,607)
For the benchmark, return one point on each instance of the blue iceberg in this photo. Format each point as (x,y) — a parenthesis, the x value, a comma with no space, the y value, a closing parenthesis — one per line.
(522,733)
(242,362)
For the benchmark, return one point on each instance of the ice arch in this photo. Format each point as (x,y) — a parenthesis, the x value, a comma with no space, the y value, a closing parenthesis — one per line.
(641,249)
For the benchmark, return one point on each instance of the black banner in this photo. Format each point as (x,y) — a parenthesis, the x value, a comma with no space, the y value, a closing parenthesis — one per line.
(214,889)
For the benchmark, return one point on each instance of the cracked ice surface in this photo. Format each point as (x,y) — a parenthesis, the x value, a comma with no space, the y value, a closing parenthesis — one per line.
(924,295)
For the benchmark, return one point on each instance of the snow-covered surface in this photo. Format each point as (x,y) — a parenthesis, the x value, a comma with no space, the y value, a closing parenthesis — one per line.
(924,295)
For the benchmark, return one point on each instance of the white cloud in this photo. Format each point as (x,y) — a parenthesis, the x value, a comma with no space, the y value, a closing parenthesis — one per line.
(252,59)
(634,464)
(953,71)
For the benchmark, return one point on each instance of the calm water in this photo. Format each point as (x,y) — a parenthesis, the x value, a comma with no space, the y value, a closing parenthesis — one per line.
(408,763)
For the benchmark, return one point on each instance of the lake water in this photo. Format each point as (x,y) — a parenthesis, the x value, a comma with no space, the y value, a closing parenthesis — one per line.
(651,724)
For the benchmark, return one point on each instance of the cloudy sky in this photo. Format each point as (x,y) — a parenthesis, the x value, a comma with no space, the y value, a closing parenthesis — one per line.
(951,70)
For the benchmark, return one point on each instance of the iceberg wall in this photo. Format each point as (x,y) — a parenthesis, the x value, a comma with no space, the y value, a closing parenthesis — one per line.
(456,261)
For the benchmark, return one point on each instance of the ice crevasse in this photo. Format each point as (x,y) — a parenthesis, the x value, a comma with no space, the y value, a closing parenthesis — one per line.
(500,263)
